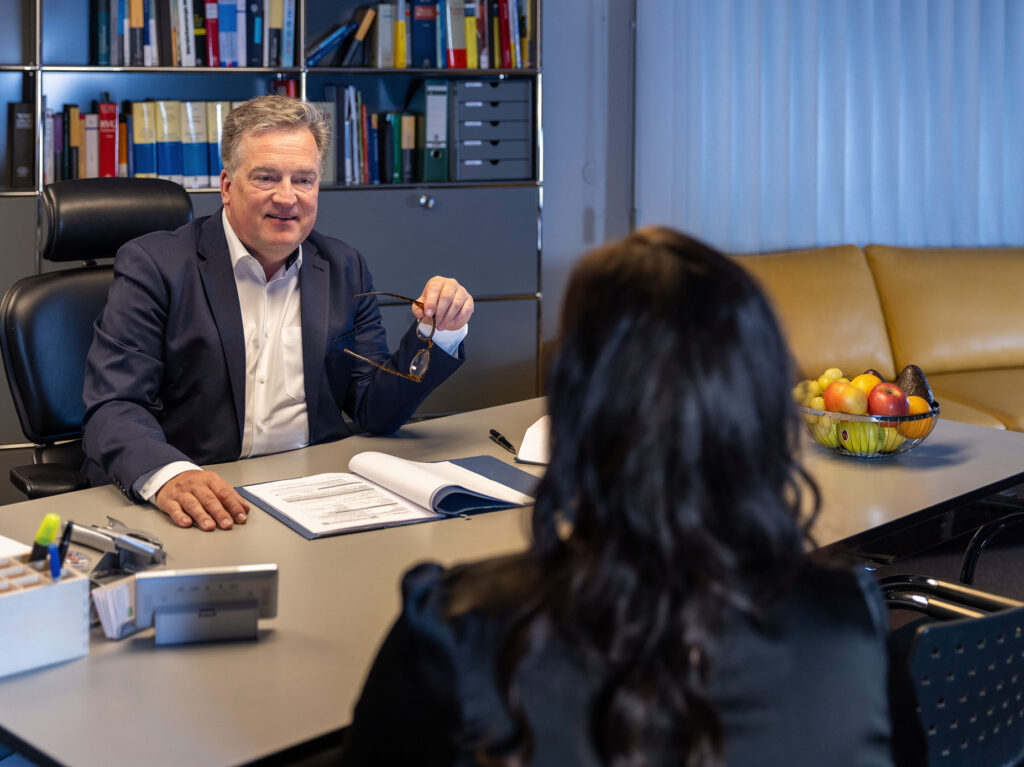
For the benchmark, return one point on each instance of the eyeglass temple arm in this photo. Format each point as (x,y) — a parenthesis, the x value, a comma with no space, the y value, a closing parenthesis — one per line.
(392,295)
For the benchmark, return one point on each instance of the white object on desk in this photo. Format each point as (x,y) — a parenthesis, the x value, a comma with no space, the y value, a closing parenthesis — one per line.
(115,606)
(41,622)
(536,444)
(12,548)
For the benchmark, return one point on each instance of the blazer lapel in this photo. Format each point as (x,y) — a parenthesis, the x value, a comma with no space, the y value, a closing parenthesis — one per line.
(314,282)
(222,295)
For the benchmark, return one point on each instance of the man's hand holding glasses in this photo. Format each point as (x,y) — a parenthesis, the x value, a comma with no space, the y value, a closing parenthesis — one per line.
(444,299)
(443,305)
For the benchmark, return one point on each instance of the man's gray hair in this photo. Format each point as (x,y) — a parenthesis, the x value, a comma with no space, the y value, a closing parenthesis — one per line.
(271,113)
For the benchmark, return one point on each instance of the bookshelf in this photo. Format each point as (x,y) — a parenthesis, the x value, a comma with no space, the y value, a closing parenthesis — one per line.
(484,232)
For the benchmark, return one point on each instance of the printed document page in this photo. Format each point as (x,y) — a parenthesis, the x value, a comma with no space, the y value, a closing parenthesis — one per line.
(335,502)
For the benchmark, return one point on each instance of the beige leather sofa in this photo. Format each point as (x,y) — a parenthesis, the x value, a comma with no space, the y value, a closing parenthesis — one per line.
(956,313)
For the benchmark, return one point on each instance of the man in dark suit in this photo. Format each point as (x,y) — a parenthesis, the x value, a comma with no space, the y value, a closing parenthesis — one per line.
(246,332)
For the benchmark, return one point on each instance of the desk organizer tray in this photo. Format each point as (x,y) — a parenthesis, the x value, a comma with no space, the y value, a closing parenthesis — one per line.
(41,622)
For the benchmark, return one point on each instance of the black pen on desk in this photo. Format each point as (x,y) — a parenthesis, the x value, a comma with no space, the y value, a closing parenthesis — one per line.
(499,439)
(65,540)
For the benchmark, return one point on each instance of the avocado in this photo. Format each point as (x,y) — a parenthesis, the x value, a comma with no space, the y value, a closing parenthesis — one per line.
(914,382)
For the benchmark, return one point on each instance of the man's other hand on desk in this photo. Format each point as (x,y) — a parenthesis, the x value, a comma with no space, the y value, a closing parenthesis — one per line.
(201,497)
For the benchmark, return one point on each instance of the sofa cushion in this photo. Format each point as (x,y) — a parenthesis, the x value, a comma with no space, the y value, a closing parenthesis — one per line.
(952,309)
(953,410)
(828,307)
(1000,393)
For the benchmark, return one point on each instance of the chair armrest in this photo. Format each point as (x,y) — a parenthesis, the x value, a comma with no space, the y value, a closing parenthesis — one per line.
(41,480)
(980,540)
(904,584)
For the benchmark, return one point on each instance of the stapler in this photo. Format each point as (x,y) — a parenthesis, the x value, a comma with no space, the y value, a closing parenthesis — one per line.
(125,549)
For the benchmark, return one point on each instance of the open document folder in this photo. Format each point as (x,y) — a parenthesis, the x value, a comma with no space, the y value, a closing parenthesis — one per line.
(383,490)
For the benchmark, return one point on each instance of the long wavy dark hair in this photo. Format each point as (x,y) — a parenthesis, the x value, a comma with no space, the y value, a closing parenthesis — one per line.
(672,497)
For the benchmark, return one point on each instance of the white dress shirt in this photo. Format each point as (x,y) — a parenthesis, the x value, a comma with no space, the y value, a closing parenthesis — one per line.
(275,398)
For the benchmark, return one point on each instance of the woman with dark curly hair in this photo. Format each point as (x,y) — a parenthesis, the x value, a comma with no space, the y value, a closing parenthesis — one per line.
(666,612)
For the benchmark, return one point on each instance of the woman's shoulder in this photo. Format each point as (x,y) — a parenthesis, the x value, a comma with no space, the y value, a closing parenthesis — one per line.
(491,586)
(481,594)
(814,662)
(837,591)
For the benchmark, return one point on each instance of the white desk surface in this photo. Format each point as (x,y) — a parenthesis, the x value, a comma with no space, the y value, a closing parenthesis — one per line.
(130,702)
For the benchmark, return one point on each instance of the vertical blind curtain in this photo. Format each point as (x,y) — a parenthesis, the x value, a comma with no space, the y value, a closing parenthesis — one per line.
(777,124)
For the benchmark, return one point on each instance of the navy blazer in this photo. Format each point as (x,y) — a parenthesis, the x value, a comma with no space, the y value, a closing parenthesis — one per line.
(165,375)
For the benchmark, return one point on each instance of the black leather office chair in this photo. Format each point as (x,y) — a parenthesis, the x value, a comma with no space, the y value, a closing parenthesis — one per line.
(957,676)
(47,319)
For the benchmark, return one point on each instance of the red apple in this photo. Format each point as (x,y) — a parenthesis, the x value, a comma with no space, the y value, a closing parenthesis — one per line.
(844,397)
(888,399)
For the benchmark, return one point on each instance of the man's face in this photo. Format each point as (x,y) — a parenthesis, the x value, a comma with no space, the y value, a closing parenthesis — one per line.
(271,199)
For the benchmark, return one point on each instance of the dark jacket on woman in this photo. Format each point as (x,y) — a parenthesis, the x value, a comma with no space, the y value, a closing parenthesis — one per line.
(803,687)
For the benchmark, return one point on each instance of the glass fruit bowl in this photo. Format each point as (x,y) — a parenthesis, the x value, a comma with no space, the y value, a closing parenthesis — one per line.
(868,436)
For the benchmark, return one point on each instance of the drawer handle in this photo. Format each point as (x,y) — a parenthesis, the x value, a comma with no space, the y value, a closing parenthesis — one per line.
(426,201)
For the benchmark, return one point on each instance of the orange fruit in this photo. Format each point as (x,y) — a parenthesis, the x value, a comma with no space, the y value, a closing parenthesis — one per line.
(866,382)
(917,429)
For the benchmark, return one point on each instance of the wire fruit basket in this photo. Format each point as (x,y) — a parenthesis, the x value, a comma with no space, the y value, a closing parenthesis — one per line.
(868,436)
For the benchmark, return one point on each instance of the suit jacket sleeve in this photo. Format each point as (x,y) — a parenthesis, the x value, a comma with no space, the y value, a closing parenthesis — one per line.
(378,402)
(123,374)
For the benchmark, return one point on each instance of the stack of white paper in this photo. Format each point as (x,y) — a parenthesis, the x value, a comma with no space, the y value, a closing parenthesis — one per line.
(115,604)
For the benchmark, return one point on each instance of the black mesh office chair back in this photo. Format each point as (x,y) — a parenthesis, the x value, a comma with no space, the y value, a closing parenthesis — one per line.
(47,319)
(959,682)
(968,682)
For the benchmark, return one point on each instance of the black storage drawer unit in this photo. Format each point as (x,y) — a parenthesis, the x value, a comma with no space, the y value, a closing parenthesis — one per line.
(492,130)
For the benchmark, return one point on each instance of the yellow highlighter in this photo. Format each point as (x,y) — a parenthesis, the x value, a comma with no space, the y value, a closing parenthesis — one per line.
(46,535)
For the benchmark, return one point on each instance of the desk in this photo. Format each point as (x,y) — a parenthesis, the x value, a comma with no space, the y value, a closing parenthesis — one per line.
(919,493)
(217,704)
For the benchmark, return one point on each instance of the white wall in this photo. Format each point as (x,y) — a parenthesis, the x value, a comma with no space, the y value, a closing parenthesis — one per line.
(588,146)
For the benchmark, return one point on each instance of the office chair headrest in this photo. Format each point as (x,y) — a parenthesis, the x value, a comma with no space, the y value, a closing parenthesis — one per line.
(89,218)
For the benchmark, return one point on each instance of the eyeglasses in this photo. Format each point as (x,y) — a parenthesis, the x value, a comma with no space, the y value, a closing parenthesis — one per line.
(421,360)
